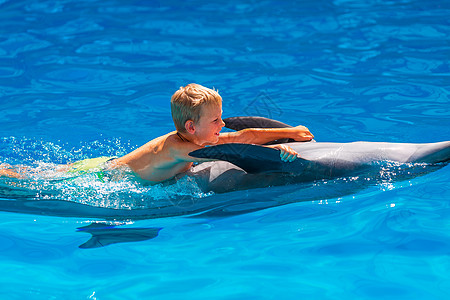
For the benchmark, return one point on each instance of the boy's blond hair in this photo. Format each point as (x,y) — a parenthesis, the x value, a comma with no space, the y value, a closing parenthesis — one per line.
(186,103)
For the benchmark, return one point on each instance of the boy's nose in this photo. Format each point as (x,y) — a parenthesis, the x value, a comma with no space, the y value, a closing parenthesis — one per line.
(222,123)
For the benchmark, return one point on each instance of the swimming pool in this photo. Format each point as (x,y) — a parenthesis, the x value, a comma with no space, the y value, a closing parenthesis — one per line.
(81,79)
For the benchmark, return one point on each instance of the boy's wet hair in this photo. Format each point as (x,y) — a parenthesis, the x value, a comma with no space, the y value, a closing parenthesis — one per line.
(187,102)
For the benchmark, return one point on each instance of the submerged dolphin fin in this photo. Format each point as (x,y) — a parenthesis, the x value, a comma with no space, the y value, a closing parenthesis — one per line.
(104,235)
(251,158)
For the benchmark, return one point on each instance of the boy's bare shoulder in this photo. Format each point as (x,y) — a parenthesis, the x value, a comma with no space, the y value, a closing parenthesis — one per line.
(170,144)
(179,148)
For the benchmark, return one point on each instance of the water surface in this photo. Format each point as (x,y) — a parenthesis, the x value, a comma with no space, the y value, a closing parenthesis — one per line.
(82,79)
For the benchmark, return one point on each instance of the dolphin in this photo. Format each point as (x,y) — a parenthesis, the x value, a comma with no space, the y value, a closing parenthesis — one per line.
(243,166)
(320,173)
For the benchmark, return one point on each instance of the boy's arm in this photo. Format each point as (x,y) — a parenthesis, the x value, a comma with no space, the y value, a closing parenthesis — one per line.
(265,135)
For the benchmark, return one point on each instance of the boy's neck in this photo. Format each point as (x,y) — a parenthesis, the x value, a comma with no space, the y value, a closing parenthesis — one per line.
(189,139)
(184,139)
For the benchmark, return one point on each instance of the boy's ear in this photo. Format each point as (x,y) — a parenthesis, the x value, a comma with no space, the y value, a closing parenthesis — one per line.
(190,126)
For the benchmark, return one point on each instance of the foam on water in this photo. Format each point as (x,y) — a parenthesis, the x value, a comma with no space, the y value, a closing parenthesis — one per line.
(117,189)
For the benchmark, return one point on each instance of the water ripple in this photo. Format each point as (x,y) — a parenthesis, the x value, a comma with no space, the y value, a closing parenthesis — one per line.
(21,43)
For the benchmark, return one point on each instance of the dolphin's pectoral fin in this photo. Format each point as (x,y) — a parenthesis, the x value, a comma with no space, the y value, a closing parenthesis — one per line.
(251,158)
(104,235)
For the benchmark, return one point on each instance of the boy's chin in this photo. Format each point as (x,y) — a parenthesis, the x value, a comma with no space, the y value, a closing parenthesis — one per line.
(213,140)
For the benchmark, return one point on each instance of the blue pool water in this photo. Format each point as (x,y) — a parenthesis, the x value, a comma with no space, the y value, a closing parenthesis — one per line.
(81,79)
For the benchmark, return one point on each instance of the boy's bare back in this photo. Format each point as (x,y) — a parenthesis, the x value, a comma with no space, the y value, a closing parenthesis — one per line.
(160,159)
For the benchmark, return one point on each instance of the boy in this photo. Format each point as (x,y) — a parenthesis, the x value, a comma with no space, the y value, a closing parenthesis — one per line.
(197,114)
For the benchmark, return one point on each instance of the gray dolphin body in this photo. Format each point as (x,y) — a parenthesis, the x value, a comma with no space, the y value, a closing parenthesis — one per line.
(245,166)
(248,166)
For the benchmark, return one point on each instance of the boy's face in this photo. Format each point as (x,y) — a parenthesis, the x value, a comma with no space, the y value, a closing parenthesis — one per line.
(209,125)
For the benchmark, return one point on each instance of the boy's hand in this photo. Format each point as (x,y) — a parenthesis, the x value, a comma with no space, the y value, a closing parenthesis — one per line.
(287,154)
(301,133)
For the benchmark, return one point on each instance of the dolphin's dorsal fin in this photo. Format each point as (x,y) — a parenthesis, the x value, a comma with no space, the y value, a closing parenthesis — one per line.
(251,158)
